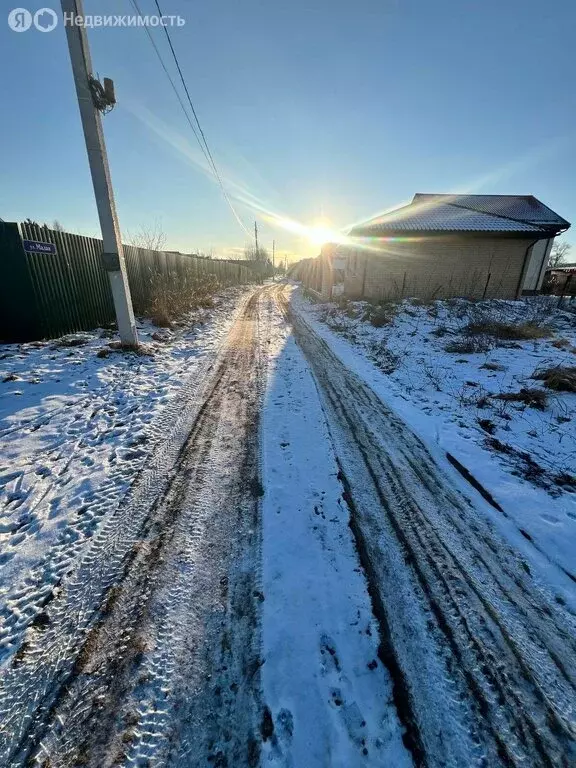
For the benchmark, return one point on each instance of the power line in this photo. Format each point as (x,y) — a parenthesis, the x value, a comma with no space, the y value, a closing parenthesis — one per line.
(169,76)
(198,132)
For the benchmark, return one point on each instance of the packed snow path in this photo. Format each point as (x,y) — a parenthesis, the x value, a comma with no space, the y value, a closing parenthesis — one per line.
(292,580)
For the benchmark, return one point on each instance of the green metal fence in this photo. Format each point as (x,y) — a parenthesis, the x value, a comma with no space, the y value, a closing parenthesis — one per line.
(47,294)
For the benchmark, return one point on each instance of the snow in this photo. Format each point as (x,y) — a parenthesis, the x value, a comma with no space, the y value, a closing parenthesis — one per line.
(329,696)
(75,430)
(442,396)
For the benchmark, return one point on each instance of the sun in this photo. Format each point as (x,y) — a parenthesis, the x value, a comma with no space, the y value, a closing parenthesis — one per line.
(321,232)
(320,235)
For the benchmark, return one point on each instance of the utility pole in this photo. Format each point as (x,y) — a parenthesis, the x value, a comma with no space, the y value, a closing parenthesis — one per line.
(256,239)
(113,256)
(274,261)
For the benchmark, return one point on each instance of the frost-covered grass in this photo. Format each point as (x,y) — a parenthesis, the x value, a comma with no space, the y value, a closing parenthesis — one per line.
(497,368)
(502,406)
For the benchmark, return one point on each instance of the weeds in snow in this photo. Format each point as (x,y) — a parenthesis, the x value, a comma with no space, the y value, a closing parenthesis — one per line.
(472,345)
(559,378)
(487,425)
(528,468)
(434,374)
(472,394)
(533,398)
(489,366)
(507,331)
(386,360)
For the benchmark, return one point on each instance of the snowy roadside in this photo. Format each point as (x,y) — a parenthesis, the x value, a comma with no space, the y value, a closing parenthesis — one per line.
(77,423)
(329,697)
(525,456)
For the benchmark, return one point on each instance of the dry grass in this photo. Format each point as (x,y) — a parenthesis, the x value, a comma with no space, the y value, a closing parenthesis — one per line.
(493,366)
(561,344)
(469,346)
(507,331)
(487,425)
(533,398)
(560,378)
(175,295)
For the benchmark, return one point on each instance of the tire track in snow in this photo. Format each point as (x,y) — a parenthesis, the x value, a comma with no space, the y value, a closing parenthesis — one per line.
(487,661)
(32,686)
(94,421)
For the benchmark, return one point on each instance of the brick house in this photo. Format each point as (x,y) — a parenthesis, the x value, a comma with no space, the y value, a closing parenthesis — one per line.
(477,246)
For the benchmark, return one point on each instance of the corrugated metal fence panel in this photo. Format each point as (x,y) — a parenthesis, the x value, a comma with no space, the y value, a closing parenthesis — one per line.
(71,287)
(46,295)
(19,318)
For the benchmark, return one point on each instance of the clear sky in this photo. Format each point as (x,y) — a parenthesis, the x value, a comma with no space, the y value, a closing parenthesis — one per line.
(316,111)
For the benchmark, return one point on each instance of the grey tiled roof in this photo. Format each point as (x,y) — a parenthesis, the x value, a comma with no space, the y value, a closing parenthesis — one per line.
(467,213)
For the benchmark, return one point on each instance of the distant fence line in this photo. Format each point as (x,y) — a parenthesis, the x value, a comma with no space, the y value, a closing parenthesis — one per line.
(65,288)
(309,272)
(560,282)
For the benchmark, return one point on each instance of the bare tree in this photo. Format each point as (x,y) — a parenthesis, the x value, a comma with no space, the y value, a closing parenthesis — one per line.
(260,254)
(56,226)
(150,236)
(558,254)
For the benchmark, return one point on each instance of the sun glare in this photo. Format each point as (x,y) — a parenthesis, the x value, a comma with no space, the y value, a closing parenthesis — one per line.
(319,235)
(321,232)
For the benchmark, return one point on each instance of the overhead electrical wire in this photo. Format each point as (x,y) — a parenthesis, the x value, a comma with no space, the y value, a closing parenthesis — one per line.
(197,130)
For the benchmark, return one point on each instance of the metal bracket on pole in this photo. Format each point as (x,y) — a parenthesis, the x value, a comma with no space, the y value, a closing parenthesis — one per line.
(111,262)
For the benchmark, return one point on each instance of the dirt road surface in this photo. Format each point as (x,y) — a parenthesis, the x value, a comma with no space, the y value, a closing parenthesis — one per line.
(194,629)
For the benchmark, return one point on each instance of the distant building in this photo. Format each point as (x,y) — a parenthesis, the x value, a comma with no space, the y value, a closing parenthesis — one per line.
(438,246)
(561,279)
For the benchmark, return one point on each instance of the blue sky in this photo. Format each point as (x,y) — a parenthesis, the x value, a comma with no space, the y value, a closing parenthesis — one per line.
(315,110)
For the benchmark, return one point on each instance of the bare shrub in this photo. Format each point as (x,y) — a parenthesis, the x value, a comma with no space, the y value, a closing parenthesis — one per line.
(435,375)
(473,395)
(533,398)
(489,366)
(560,378)
(150,236)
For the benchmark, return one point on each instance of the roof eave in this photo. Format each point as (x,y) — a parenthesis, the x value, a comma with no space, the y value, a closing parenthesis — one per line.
(543,233)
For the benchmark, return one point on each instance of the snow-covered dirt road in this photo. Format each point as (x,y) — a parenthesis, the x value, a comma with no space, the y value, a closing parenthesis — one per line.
(292,579)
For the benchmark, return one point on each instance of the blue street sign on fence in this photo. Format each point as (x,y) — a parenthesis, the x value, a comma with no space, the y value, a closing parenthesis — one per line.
(35,246)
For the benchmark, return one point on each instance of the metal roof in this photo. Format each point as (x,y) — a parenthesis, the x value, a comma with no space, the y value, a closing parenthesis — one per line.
(467,213)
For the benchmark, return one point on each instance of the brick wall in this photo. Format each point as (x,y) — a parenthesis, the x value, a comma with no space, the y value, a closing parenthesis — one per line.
(437,267)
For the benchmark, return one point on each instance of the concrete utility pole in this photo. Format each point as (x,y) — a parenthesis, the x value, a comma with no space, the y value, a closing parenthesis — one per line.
(256,239)
(274,261)
(113,256)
